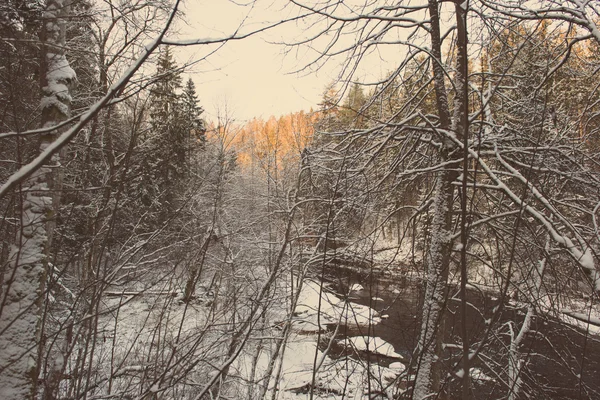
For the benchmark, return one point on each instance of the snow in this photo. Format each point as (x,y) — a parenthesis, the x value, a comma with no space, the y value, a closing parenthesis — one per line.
(580,314)
(375,345)
(397,366)
(587,261)
(478,375)
(335,377)
(20,312)
(56,91)
(317,308)
(384,374)
(357,287)
(59,68)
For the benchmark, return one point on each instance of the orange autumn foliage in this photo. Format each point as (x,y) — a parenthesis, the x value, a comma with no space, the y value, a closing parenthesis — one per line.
(275,142)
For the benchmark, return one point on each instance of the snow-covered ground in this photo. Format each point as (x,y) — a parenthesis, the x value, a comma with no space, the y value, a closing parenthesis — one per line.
(302,365)
(343,378)
(143,333)
(375,345)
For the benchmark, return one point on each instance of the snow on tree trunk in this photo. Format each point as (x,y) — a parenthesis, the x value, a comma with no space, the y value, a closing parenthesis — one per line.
(429,348)
(438,257)
(23,287)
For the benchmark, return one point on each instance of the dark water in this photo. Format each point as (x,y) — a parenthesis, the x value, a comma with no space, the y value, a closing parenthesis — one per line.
(561,362)
(396,304)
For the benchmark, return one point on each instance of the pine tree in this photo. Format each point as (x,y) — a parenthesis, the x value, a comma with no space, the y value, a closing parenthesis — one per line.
(329,111)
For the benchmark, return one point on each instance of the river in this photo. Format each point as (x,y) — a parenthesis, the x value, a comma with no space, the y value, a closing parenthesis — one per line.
(559,360)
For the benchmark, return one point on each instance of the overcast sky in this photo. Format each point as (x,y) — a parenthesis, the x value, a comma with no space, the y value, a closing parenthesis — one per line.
(251,76)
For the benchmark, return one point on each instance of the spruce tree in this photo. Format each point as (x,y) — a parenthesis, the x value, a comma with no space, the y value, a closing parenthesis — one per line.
(352,112)
(168,142)
(192,113)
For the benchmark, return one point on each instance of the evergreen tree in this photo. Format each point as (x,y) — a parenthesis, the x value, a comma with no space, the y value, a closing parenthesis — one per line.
(353,115)
(168,141)
(192,113)
(167,83)
(177,131)
(329,112)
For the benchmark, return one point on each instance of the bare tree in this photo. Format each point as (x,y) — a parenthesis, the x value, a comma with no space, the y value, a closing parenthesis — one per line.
(463,142)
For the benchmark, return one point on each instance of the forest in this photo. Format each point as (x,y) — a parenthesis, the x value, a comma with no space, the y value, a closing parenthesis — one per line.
(427,232)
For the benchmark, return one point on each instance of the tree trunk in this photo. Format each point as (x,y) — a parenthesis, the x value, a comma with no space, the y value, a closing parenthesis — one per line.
(516,361)
(428,375)
(461,127)
(21,338)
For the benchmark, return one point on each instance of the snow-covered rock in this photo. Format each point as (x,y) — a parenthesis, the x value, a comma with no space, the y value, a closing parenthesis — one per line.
(318,308)
(375,345)
(357,287)
(398,367)
(384,374)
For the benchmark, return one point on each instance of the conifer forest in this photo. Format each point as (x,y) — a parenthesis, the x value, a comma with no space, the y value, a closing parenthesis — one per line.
(428,229)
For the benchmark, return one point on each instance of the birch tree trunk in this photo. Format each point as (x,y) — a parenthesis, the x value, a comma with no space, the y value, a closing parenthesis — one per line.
(24,281)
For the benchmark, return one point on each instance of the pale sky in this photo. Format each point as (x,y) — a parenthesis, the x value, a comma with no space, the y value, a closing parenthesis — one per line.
(251,76)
